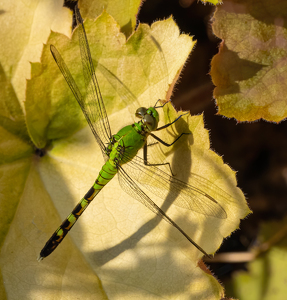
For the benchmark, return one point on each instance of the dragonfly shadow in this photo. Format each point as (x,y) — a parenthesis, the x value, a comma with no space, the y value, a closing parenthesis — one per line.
(179,157)
(150,281)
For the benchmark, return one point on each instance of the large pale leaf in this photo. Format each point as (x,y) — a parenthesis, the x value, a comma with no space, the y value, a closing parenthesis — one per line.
(25,26)
(118,249)
(21,42)
(250,70)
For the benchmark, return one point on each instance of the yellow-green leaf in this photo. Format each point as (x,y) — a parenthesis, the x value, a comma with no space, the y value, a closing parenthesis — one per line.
(124,11)
(15,151)
(250,70)
(215,2)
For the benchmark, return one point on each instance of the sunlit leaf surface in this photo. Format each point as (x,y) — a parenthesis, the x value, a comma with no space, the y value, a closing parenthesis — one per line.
(124,11)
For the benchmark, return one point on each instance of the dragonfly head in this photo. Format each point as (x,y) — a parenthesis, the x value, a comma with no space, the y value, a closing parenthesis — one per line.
(149,117)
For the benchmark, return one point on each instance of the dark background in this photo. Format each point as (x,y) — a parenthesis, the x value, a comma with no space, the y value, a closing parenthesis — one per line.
(257,151)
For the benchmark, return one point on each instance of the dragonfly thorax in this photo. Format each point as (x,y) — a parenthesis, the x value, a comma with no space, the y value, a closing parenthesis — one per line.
(149,117)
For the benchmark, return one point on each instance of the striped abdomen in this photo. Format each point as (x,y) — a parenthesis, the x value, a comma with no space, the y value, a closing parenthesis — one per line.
(106,174)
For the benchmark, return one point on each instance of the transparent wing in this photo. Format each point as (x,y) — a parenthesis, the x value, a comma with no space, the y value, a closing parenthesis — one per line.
(131,188)
(149,52)
(76,91)
(194,197)
(123,91)
(92,104)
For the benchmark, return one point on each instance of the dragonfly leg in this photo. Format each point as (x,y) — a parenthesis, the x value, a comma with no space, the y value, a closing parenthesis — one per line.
(152,144)
(162,142)
(149,164)
(166,144)
(161,105)
(167,125)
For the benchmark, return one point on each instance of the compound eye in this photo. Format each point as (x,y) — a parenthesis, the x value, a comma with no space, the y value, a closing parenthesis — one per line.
(149,121)
(141,112)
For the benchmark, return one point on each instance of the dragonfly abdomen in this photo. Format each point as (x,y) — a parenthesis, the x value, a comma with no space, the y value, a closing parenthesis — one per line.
(107,172)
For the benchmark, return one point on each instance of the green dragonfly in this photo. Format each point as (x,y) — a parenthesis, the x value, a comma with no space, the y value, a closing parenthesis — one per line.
(120,154)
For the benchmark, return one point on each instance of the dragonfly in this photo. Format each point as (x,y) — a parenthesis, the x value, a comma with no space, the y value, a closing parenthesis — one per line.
(120,155)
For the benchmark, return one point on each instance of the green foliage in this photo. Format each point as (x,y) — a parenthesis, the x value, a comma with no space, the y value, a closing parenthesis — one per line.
(266,275)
